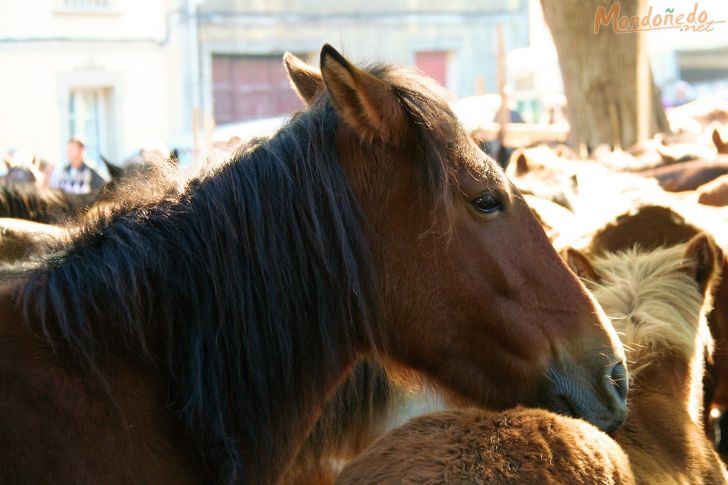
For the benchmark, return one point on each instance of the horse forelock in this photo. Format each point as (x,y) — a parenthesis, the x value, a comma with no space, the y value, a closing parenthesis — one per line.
(654,304)
(438,144)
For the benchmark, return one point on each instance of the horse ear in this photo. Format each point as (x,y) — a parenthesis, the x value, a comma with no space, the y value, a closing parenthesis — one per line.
(305,80)
(575,181)
(365,102)
(579,264)
(114,171)
(720,145)
(519,161)
(701,261)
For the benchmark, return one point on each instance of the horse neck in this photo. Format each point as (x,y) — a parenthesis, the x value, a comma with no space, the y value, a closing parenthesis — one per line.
(663,434)
(666,375)
(250,299)
(664,403)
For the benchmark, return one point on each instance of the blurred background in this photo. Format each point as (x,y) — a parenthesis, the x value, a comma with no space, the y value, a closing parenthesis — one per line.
(183,74)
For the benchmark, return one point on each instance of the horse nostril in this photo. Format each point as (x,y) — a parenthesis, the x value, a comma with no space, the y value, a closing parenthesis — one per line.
(618,378)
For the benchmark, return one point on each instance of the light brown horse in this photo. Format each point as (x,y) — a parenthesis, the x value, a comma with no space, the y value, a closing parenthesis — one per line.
(651,227)
(541,171)
(197,337)
(658,300)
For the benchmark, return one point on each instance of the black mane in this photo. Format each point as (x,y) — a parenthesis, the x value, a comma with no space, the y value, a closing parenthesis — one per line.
(233,287)
(226,288)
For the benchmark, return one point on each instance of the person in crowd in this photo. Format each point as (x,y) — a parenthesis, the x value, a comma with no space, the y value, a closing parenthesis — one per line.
(78,178)
(514,116)
(45,169)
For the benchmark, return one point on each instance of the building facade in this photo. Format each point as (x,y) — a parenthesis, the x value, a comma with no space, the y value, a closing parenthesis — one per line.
(109,71)
(241,43)
(123,73)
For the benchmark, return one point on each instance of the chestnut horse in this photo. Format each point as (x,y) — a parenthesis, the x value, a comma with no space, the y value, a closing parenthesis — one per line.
(690,175)
(196,338)
(658,300)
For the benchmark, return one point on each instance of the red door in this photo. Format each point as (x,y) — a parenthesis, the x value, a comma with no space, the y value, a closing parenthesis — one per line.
(250,87)
(434,64)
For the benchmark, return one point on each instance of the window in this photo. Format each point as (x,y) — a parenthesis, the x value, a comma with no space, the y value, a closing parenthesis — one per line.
(87,120)
(433,64)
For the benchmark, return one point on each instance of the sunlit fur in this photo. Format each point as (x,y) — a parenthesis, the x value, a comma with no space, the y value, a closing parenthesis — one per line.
(654,305)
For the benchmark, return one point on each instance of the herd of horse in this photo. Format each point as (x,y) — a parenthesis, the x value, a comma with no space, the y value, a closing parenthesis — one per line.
(366,297)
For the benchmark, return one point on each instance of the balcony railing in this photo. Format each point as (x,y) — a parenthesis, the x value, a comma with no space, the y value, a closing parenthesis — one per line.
(86,6)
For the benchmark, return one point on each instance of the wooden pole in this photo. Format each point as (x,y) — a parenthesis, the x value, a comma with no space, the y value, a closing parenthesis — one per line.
(479,85)
(209,127)
(196,131)
(503,112)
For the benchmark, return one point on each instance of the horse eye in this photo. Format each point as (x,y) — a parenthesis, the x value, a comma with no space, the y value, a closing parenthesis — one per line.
(488,203)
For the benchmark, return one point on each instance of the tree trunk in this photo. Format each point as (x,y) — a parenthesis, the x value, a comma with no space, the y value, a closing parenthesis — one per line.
(610,93)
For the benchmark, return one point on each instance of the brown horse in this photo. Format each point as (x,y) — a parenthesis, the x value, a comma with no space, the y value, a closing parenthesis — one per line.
(720,145)
(658,300)
(26,201)
(197,337)
(21,239)
(690,175)
(647,226)
(51,206)
(715,192)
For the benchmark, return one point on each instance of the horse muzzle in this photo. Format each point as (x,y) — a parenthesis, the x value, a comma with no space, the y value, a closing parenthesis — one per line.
(600,399)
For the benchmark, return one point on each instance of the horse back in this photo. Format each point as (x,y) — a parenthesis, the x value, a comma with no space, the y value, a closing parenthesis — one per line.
(60,424)
(687,175)
(714,193)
